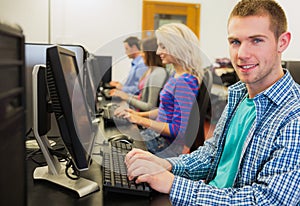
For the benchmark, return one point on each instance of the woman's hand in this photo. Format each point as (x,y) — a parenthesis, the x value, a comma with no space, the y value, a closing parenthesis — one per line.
(121,110)
(121,94)
(132,116)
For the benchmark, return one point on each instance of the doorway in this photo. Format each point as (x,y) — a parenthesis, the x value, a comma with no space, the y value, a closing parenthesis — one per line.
(157,13)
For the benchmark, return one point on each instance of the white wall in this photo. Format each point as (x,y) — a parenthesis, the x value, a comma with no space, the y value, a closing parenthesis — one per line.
(31,15)
(101,25)
(292,11)
(98,25)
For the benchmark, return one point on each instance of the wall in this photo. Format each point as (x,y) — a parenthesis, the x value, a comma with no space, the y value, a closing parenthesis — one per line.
(101,25)
(98,25)
(31,15)
(292,11)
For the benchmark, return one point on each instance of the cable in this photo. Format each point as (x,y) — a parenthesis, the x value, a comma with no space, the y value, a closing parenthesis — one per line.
(37,157)
(28,132)
(75,175)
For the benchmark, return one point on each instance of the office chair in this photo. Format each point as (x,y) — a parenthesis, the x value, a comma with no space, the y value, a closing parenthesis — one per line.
(195,129)
(294,69)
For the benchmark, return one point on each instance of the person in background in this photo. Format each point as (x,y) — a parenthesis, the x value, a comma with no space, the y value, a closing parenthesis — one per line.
(150,83)
(138,67)
(253,157)
(164,136)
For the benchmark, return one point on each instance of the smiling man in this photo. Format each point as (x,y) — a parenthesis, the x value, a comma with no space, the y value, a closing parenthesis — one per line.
(254,155)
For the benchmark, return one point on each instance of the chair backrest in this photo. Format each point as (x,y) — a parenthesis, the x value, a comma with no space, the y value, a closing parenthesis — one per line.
(294,69)
(194,134)
(165,81)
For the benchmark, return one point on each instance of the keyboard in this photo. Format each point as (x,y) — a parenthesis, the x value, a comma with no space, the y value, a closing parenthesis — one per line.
(114,171)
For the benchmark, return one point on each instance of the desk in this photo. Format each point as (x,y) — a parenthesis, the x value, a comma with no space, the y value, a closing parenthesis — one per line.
(43,193)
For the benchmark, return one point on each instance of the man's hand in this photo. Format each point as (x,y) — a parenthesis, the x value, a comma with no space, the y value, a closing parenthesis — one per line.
(116,84)
(146,167)
(185,150)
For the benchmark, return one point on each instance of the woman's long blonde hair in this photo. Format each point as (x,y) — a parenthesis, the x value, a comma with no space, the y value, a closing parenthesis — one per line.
(181,42)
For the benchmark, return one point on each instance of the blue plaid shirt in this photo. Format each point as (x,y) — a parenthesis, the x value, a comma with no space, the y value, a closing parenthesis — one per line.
(269,168)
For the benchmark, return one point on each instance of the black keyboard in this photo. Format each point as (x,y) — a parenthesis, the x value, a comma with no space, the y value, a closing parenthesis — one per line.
(114,171)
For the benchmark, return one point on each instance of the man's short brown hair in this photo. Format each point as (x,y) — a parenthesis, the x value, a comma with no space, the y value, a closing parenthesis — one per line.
(278,21)
(133,41)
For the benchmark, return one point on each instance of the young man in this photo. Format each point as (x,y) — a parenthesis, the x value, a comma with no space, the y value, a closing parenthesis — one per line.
(254,155)
(138,67)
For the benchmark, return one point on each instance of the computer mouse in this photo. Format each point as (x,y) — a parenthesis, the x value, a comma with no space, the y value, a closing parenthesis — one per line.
(121,138)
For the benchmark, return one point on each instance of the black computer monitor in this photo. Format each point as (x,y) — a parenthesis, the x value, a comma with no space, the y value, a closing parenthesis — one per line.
(100,68)
(97,72)
(41,101)
(73,119)
(69,105)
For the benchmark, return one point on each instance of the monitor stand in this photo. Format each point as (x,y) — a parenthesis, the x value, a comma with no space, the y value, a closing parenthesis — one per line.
(55,170)
(81,186)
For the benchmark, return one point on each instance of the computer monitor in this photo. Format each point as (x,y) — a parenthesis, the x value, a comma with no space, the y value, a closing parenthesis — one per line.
(98,71)
(42,123)
(35,54)
(76,129)
(100,68)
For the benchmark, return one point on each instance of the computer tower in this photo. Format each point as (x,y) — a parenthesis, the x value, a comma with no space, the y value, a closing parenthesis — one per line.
(12,116)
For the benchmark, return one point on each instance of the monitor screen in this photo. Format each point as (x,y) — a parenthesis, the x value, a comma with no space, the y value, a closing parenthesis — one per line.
(100,69)
(69,105)
(97,72)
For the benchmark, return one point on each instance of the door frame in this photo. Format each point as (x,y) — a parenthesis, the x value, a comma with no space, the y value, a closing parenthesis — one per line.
(153,7)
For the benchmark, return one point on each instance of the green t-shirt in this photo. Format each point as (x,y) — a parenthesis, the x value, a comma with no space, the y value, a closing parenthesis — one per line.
(236,136)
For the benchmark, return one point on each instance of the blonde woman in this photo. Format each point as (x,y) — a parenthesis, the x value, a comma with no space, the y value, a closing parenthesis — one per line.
(179,46)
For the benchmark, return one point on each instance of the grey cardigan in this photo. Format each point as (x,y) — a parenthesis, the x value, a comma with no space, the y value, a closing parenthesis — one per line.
(151,90)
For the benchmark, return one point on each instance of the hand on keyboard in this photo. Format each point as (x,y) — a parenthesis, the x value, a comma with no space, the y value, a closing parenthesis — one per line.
(114,171)
(110,118)
(144,167)
(131,115)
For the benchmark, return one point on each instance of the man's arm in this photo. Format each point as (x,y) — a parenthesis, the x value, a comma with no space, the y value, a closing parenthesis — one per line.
(159,173)
(132,88)
(264,180)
